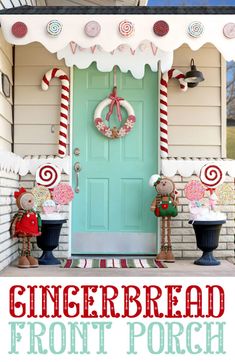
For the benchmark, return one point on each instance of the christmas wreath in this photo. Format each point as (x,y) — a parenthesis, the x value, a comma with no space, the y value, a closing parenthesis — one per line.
(112,101)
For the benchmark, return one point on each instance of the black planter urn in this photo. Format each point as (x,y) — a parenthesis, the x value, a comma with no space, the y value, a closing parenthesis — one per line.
(207,236)
(49,240)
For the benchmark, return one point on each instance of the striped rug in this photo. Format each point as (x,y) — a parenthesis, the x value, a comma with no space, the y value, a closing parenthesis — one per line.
(112,263)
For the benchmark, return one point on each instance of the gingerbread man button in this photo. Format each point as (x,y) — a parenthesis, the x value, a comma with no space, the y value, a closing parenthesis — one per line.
(92,29)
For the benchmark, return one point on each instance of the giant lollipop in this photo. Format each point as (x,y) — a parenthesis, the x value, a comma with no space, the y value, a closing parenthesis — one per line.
(194,190)
(63,194)
(48,175)
(211,175)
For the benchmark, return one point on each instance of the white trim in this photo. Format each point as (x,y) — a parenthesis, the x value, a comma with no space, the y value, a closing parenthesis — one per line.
(189,167)
(71,158)
(223,107)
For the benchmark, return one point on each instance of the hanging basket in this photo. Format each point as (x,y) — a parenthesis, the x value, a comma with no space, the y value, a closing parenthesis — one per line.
(114,132)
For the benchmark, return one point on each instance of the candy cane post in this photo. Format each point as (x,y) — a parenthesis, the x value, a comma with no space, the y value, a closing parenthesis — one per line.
(64,106)
(172,73)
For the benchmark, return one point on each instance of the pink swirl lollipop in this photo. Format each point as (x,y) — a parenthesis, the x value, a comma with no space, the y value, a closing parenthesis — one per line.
(211,175)
(194,190)
(48,175)
(63,194)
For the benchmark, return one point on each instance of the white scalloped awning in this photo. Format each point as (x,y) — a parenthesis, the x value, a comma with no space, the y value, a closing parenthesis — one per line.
(10,162)
(109,37)
(189,167)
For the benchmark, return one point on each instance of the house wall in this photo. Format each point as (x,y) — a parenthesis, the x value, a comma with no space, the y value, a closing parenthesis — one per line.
(9,182)
(6,62)
(196,118)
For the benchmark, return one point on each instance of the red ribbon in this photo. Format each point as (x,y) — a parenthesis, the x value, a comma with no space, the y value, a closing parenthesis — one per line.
(211,190)
(115,101)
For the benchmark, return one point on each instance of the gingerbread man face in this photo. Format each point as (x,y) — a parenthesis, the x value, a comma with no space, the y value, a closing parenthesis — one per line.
(24,199)
(164,186)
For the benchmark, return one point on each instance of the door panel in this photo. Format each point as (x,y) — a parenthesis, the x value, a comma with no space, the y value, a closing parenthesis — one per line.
(111,214)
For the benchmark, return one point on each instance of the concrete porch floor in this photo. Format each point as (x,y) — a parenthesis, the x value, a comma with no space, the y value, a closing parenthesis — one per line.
(182,268)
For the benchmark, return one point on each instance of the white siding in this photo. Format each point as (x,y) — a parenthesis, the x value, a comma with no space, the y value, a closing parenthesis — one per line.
(196,117)
(6,62)
(9,182)
(36,111)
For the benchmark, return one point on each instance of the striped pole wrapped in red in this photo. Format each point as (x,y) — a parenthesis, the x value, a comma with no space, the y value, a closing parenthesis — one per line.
(172,73)
(64,106)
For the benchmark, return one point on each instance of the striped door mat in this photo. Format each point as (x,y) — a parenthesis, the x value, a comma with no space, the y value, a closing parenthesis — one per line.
(112,263)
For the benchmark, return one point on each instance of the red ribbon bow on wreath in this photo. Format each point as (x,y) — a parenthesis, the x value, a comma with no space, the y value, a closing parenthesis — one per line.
(115,101)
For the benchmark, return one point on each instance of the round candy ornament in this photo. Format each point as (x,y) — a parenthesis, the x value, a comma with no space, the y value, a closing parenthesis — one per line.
(54,28)
(48,175)
(19,29)
(195,29)
(161,28)
(63,194)
(229,30)
(126,28)
(92,29)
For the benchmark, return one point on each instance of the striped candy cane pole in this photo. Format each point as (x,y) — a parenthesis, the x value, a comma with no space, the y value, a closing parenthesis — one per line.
(64,106)
(172,73)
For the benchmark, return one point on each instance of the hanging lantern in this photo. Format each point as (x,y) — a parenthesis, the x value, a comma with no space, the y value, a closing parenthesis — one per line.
(194,76)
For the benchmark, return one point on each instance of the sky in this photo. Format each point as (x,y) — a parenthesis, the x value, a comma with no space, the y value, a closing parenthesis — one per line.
(191,2)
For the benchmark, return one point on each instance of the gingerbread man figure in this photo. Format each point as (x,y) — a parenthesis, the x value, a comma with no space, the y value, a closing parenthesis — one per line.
(165,205)
(26,224)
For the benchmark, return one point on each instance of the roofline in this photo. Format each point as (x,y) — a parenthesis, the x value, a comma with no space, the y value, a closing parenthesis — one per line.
(138,10)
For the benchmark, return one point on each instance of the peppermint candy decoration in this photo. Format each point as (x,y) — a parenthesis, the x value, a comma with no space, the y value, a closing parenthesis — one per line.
(195,29)
(92,29)
(19,29)
(161,28)
(48,175)
(63,194)
(54,27)
(229,30)
(126,28)
(211,175)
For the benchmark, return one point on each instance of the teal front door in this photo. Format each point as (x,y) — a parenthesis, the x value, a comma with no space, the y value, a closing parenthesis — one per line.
(111,213)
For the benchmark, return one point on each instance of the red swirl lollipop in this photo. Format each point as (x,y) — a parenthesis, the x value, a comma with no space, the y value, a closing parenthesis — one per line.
(211,175)
(48,175)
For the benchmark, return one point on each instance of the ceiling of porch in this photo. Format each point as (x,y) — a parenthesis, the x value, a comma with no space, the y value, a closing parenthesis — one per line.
(7,4)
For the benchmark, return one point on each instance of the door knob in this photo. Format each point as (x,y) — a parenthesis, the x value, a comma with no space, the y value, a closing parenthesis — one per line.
(77,169)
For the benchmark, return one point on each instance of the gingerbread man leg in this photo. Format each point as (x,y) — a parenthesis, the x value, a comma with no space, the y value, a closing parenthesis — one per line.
(32,261)
(169,255)
(162,254)
(23,260)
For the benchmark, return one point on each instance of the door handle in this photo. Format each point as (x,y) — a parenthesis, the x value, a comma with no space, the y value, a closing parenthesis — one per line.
(77,169)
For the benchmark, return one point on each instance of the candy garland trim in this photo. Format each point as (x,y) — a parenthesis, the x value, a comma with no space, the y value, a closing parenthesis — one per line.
(64,106)
(114,132)
(172,73)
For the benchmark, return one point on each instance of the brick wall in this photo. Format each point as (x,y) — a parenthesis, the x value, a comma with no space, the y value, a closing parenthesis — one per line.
(9,182)
(183,237)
